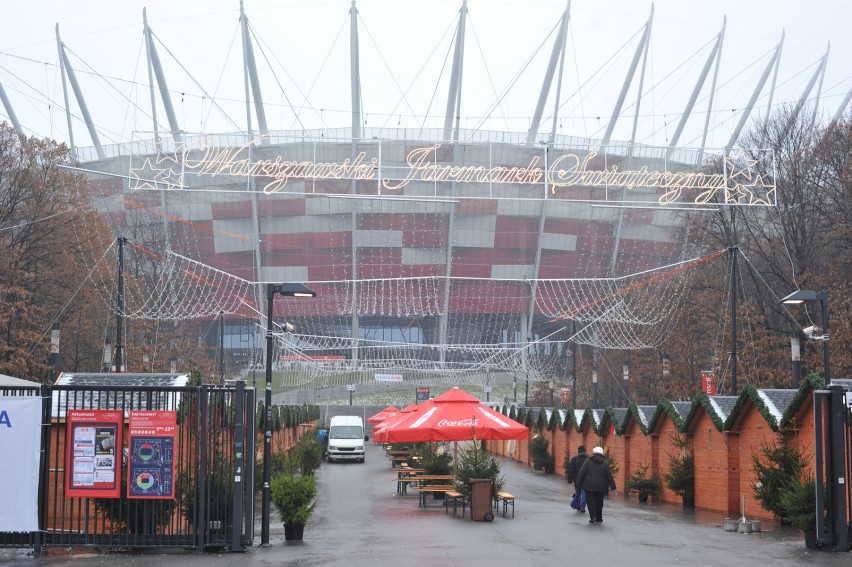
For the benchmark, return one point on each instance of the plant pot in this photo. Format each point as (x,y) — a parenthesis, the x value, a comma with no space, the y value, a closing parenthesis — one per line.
(730,525)
(811,539)
(755,525)
(643,496)
(294,532)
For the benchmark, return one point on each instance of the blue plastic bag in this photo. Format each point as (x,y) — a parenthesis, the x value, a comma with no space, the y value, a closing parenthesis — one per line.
(578,501)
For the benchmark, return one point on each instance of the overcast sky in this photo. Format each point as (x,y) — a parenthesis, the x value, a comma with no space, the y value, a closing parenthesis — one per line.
(302,52)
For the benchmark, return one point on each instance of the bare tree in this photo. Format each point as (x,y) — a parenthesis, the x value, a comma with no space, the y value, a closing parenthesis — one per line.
(43,209)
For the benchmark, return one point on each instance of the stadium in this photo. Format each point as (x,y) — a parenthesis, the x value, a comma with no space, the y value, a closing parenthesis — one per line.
(439,256)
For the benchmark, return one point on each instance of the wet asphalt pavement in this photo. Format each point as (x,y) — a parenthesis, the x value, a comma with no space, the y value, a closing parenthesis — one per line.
(361,520)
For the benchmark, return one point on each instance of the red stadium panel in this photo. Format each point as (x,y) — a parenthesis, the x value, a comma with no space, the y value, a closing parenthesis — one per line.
(329,273)
(482,296)
(516,232)
(305,240)
(422,270)
(425,239)
(231,210)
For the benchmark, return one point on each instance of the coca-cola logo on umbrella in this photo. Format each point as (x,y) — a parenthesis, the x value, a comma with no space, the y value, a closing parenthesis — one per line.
(459,423)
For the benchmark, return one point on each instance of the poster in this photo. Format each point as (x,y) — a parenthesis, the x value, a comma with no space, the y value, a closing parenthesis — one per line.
(708,382)
(20,443)
(421,395)
(93,458)
(152,448)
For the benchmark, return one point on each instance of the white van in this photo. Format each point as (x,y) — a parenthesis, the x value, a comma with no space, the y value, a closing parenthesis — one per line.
(346,439)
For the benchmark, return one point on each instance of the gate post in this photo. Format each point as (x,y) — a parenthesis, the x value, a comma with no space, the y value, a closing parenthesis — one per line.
(820,404)
(239,448)
(249,470)
(837,492)
(202,524)
(44,466)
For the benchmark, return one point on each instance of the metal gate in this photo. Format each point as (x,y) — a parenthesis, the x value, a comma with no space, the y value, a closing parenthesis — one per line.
(214,451)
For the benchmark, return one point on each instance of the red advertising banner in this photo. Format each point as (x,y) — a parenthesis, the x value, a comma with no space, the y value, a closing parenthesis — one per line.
(151,466)
(93,456)
(708,383)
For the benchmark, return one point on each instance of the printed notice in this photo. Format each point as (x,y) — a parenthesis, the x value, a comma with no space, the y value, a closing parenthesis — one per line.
(93,439)
(152,449)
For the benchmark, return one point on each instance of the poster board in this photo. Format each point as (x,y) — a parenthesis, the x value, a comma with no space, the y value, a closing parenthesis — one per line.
(421,395)
(93,456)
(151,464)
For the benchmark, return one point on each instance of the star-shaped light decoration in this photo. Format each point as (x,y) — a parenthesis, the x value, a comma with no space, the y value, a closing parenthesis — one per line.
(156,174)
(745,185)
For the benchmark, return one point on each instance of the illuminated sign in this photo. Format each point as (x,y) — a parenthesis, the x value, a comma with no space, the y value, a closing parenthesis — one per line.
(739,183)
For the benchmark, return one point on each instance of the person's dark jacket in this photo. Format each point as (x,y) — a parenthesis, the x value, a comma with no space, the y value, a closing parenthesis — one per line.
(575,464)
(595,475)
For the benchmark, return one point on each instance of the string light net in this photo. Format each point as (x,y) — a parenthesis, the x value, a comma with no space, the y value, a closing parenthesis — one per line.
(435,262)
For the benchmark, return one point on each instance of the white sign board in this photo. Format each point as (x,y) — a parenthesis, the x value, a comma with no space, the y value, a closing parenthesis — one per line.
(388,377)
(20,444)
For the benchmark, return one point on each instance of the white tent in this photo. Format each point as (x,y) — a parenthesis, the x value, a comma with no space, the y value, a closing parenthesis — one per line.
(12,381)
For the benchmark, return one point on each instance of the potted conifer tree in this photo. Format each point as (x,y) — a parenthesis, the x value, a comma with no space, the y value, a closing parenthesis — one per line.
(643,483)
(798,499)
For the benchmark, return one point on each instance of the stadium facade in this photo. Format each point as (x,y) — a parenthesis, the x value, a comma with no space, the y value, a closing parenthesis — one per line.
(428,258)
(445,252)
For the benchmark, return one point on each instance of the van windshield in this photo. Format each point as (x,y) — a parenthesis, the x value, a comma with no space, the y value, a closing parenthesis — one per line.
(345,432)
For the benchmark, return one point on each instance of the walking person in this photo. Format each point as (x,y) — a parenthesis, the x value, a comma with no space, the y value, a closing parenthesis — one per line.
(578,501)
(595,477)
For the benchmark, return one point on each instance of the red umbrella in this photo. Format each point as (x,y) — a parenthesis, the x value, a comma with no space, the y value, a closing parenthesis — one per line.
(454,416)
(389,411)
(379,430)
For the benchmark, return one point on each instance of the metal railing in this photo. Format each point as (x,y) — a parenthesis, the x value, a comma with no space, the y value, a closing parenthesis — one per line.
(212,506)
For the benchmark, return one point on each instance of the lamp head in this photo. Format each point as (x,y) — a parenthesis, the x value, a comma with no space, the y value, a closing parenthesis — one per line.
(288,289)
(803,295)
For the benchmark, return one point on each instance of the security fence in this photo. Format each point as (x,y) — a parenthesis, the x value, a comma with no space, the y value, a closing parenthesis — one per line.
(212,484)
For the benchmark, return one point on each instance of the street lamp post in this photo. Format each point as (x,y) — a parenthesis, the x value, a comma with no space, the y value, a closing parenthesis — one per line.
(796,356)
(514,388)
(594,385)
(527,384)
(802,296)
(836,461)
(287,290)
